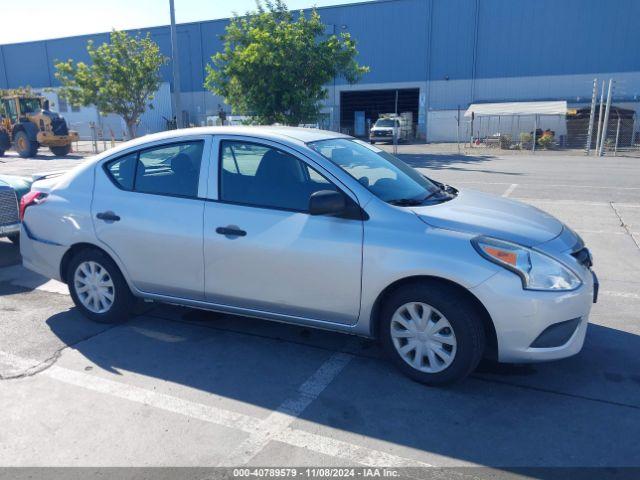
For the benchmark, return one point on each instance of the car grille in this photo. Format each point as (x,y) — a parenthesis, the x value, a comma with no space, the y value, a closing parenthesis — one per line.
(8,206)
(59,126)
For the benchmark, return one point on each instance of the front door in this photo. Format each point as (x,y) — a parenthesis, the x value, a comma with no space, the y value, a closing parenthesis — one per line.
(147,209)
(262,249)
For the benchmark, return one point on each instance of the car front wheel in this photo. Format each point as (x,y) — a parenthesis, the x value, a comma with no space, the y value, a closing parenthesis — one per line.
(98,288)
(432,333)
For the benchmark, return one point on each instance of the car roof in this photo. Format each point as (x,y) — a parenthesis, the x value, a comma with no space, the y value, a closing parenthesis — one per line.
(304,135)
(266,132)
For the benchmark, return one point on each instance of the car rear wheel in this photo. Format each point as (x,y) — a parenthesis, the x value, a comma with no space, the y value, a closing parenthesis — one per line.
(431,333)
(98,288)
(61,151)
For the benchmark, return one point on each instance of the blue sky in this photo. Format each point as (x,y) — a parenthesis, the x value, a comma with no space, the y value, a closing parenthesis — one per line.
(39,19)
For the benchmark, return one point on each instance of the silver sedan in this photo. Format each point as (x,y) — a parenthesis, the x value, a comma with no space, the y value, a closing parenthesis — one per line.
(319,229)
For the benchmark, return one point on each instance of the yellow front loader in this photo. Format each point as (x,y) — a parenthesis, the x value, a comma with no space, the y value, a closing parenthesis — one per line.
(27,123)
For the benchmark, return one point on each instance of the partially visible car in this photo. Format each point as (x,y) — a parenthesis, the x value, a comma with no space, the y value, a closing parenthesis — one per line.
(12,189)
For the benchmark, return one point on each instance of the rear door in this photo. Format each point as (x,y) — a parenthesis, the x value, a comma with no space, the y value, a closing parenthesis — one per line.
(263,251)
(147,209)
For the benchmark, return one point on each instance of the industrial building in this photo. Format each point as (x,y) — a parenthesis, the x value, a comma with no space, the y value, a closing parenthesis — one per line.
(429,57)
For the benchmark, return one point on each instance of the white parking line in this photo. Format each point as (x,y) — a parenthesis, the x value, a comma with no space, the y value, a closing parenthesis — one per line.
(275,427)
(562,185)
(344,450)
(610,293)
(510,190)
(278,421)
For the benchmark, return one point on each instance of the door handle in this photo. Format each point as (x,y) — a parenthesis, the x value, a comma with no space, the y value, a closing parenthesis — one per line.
(231,231)
(108,216)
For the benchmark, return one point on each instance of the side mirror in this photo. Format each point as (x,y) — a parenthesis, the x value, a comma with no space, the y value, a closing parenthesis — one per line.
(327,202)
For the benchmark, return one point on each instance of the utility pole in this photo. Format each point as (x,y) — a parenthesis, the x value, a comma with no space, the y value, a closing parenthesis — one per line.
(603,138)
(175,64)
(592,115)
(600,118)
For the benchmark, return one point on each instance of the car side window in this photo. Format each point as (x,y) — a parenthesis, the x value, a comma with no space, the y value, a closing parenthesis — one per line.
(262,176)
(165,170)
(123,170)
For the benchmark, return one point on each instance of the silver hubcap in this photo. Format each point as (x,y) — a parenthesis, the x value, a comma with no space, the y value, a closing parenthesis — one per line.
(423,337)
(94,287)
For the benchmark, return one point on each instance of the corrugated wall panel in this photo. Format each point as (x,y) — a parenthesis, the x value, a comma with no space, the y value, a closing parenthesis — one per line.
(452,39)
(563,43)
(550,37)
(3,73)
(74,48)
(391,36)
(25,64)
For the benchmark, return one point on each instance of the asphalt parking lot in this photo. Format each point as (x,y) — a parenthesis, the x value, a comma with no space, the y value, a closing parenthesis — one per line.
(181,387)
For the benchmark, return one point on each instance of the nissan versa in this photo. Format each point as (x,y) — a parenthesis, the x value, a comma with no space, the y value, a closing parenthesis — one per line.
(319,229)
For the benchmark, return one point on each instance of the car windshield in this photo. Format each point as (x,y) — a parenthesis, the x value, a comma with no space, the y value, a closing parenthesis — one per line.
(384,123)
(386,176)
(29,105)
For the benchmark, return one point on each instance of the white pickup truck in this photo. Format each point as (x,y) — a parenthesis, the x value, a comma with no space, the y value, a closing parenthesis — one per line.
(382,130)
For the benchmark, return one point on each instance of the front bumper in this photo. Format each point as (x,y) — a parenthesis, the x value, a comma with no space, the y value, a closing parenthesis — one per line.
(11,229)
(380,139)
(521,316)
(48,139)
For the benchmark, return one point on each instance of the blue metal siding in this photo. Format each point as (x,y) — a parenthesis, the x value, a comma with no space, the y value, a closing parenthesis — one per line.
(391,37)
(453,25)
(550,37)
(25,64)
(3,73)
(415,41)
(63,49)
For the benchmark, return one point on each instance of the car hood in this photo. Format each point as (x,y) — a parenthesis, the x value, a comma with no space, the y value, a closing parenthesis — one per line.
(20,184)
(484,214)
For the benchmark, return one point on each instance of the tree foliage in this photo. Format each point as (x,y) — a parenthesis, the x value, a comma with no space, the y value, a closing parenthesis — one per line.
(23,91)
(122,78)
(274,64)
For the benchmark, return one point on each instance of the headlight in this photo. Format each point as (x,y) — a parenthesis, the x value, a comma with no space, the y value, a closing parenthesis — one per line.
(537,270)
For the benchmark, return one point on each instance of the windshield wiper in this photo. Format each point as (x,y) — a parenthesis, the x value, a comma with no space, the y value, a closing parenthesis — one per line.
(405,202)
(412,202)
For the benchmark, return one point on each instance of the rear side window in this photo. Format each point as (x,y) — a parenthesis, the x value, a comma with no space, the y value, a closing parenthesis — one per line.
(165,170)
(170,170)
(123,170)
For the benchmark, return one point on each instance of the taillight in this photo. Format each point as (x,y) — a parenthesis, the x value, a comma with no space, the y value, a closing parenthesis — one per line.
(32,198)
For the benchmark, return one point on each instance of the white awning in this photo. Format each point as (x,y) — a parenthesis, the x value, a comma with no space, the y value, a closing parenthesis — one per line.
(517,108)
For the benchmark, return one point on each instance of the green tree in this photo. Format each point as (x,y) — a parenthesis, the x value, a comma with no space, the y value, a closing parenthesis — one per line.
(122,78)
(274,65)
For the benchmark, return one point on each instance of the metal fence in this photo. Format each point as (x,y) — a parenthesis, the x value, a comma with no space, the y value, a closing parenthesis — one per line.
(608,125)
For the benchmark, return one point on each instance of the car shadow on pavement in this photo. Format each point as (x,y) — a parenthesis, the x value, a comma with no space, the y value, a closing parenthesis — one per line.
(451,161)
(566,413)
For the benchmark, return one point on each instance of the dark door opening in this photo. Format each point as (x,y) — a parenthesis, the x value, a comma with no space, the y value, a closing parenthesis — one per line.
(374,103)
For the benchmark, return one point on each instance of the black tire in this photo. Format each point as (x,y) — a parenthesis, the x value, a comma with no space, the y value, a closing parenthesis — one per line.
(5,142)
(15,238)
(24,146)
(463,318)
(123,299)
(61,151)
